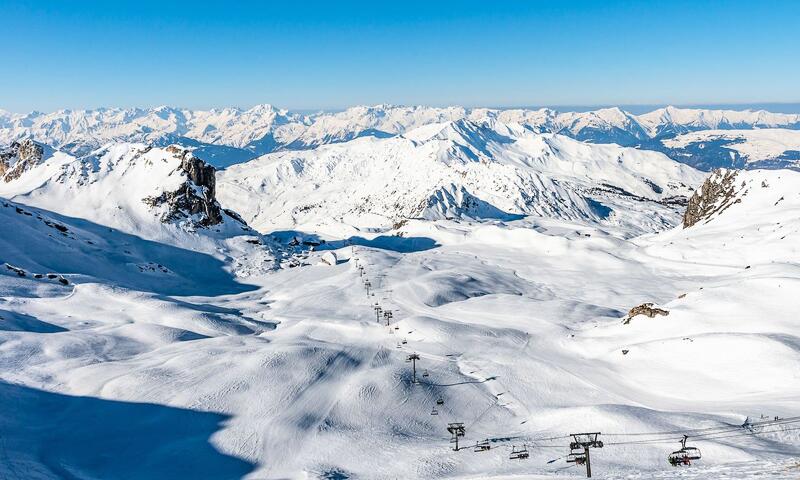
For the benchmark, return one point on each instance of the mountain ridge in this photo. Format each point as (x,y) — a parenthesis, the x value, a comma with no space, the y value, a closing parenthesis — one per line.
(226,136)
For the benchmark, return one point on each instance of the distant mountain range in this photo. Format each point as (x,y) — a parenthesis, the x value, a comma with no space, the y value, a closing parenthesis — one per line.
(230,135)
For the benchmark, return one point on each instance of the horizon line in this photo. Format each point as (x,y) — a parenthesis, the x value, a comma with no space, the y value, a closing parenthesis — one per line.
(563,108)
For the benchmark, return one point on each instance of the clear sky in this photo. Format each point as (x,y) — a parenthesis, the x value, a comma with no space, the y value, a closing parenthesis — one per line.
(304,54)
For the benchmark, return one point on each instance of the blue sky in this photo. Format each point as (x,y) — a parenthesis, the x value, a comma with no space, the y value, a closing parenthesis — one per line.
(309,55)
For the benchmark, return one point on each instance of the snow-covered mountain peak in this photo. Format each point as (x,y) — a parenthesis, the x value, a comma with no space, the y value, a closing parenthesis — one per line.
(456,169)
(227,136)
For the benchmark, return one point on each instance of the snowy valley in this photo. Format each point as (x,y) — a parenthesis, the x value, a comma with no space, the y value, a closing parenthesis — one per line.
(265,294)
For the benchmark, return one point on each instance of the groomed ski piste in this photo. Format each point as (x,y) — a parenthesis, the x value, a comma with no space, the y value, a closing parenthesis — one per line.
(172,354)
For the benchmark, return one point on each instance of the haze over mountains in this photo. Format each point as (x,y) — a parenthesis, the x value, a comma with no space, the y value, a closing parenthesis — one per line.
(230,135)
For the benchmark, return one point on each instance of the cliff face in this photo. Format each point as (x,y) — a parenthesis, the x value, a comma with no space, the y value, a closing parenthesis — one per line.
(194,199)
(717,193)
(19,157)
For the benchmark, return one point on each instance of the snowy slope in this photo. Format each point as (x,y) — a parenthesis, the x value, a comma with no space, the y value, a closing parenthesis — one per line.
(460,169)
(760,148)
(519,330)
(161,195)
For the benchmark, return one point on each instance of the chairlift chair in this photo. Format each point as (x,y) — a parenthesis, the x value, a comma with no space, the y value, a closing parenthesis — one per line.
(685,455)
(440,401)
(425,373)
(404,341)
(434,411)
(482,446)
(578,458)
(519,454)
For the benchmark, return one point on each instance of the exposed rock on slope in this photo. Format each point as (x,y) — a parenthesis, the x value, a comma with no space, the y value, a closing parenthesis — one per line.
(646,309)
(137,188)
(195,198)
(715,195)
(19,157)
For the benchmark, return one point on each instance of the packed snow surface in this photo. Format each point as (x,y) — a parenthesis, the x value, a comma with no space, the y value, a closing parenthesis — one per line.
(130,348)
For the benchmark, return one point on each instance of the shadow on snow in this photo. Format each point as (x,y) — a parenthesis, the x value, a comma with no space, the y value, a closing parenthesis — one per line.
(384,242)
(50,435)
(115,257)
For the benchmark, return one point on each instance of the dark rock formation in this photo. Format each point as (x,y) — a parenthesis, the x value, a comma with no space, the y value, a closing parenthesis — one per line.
(20,157)
(644,309)
(195,197)
(717,193)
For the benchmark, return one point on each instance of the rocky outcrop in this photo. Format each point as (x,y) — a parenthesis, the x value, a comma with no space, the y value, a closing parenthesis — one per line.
(717,193)
(646,309)
(20,157)
(194,199)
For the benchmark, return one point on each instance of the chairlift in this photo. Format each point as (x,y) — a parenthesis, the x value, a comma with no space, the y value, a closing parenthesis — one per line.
(425,373)
(519,454)
(482,446)
(685,455)
(404,341)
(434,411)
(578,458)
(440,401)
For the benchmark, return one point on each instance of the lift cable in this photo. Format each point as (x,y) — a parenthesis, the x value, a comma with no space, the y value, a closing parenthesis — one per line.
(743,429)
(714,436)
(699,431)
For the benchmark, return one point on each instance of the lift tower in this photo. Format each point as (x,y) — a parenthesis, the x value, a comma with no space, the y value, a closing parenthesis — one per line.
(456,430)
(414,357)
(583,441)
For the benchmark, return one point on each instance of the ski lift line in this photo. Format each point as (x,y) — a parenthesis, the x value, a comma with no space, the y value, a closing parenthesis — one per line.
(691,431)
(786,421)
(745,433)
(741,430)
(709,436)
(715,436)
